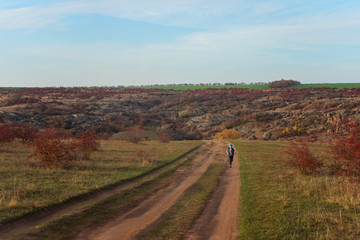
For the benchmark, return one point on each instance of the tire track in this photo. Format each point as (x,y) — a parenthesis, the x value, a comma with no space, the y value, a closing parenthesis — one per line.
(219,218)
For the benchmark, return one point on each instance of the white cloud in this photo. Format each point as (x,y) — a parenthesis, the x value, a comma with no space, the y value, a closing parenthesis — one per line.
(181,12)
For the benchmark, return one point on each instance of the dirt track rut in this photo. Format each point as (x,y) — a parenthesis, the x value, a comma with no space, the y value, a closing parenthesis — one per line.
(219,219)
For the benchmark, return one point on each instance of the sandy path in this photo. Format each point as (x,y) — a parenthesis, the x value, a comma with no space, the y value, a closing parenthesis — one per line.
(27,223)
(129,224)
(219,218)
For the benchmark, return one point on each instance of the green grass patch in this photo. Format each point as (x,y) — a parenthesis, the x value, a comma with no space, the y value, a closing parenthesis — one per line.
(183,214)
(279,203)
(25,188)
(329,85)
(69,226)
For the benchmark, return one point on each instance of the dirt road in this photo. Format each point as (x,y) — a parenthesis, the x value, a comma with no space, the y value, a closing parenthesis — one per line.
(218,220)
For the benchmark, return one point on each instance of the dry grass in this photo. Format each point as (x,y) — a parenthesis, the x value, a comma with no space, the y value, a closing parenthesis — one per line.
(280,203)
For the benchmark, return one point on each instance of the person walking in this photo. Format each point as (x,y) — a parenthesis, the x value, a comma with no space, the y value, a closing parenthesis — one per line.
(230,151)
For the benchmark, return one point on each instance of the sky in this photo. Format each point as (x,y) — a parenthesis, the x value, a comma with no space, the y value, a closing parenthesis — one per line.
(56,43)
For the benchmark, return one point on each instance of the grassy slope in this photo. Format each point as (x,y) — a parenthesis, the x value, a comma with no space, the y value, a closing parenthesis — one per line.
(278,203)
(25,187)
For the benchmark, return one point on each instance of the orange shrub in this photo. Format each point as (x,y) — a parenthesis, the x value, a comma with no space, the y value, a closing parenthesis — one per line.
(227,134)
(57,148)
(54,149)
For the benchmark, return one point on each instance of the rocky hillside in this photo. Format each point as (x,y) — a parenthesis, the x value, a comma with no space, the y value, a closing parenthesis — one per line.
(195,114)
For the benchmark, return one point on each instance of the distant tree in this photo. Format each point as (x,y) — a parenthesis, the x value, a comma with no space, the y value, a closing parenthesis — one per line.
(283,83)
(135,134)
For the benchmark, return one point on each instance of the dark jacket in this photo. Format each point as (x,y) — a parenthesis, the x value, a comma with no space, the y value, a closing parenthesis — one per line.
(230,151)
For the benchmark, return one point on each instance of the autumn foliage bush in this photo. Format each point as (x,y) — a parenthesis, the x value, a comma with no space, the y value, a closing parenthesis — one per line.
(164,138)
(300,157)
(135,134)
(346,148)
(54,149)
(58,148)
(227,134)
(10,132)
(85,144)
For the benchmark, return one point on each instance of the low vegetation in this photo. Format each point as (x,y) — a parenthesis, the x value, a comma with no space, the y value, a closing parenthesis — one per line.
(58,148)
(227,134)
(300,157)
(345,149)
(25,186)
(278,202)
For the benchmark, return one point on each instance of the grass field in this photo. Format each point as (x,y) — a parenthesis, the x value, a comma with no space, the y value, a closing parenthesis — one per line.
(279,203)
(330,85)
(24,187)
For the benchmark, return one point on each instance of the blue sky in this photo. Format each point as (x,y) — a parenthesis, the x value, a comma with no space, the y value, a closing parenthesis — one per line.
(136,42)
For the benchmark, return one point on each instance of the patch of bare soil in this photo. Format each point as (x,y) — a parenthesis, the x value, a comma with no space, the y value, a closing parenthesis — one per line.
(219,218)
(137,219)
(25,224)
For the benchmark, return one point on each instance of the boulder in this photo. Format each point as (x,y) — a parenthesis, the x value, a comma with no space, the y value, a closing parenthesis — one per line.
(267,135)
(252,137)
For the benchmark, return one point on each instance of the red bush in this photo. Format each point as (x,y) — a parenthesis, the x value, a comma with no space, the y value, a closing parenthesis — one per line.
(53,149)
(6,133)
(135,134)
(27,134)
(57,148)
(301,158)
(164,138)
(346,148)
(85,144)
(9,132)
